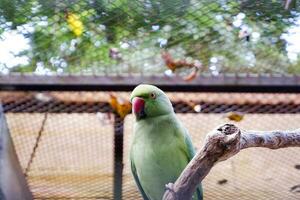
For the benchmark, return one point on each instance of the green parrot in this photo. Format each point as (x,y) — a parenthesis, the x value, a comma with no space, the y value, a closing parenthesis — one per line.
(161,147)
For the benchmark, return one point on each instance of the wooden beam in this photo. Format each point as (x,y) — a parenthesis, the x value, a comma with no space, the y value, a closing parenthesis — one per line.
(13,185)
(203,83)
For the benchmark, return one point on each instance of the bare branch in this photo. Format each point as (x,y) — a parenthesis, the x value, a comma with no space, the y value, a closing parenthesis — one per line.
(271,140)
(221,144)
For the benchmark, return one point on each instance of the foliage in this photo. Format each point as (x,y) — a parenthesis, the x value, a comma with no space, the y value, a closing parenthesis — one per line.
(125,36)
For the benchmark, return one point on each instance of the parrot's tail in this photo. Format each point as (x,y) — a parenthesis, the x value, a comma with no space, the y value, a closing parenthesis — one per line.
(199,192)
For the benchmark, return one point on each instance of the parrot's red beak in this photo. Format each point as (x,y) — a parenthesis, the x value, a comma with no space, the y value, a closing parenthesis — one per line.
(138,105)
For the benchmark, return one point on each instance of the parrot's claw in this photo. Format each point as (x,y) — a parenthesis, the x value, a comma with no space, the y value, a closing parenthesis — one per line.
(170,187)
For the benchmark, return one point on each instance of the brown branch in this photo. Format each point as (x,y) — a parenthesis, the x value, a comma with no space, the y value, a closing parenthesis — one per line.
(271,139)
(221,144)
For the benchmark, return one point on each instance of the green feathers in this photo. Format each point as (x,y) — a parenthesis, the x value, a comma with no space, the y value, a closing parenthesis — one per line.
(161,147)
(156,101)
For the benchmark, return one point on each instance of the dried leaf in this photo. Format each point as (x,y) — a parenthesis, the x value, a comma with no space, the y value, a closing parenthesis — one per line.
(121,106)
(235,116)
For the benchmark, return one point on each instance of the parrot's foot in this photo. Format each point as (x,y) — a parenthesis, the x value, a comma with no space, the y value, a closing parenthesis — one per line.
(170,187)
(170,192)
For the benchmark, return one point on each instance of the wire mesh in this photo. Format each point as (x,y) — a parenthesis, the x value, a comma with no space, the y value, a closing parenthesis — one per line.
(70,144)
(254,174)
(73,159)
(149,37)
(76,157)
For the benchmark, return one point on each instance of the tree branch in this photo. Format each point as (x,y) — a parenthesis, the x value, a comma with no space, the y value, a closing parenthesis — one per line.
(221,144)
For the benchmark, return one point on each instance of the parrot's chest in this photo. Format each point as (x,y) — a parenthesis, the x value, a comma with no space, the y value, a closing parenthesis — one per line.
(158,159)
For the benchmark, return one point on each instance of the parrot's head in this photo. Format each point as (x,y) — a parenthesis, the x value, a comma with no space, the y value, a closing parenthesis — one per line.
(149,101)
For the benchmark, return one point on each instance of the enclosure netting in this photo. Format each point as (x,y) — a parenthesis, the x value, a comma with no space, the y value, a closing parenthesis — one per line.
(145,36)
(65,143)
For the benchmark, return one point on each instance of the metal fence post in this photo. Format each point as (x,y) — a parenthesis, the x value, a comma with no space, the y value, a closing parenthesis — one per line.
(118,156)
(13,185)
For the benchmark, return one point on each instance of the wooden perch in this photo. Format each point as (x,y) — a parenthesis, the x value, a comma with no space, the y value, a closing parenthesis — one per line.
(221,144)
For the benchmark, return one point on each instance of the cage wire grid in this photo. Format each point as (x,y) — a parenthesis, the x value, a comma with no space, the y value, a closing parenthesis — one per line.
(125,37)
(76,158)
(72,145)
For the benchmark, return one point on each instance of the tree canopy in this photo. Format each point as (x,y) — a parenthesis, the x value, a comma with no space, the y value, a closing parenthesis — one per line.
(130,36)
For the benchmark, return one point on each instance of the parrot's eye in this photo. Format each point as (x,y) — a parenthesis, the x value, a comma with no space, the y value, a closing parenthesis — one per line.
(152,95)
